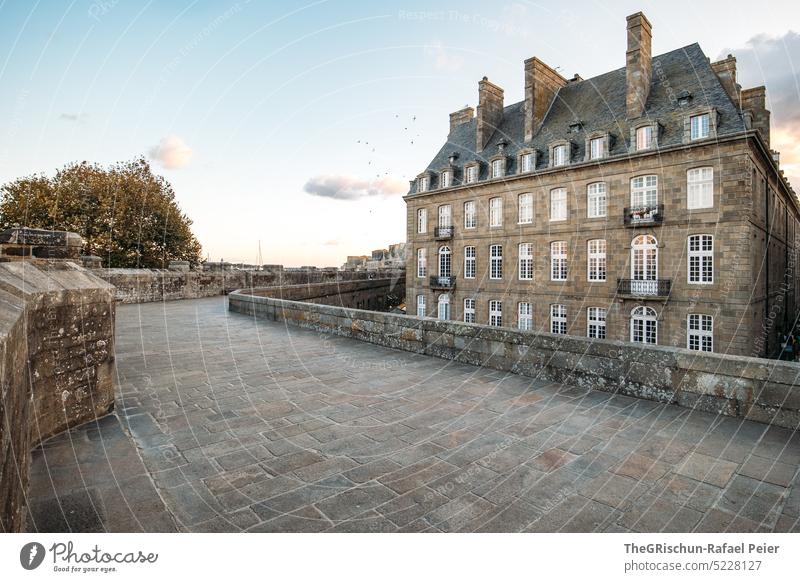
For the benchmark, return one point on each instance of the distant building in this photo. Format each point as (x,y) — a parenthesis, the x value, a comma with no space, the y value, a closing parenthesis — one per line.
(392,258)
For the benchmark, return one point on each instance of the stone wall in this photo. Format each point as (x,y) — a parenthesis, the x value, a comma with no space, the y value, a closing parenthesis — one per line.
(145,285)
(56,364)
(373,294)
(745,387)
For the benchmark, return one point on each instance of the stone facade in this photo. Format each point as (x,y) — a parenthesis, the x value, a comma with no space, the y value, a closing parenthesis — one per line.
(752,219)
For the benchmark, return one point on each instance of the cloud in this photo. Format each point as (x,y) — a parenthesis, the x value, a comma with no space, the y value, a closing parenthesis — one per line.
(442,57)
(171,152)
(352,188)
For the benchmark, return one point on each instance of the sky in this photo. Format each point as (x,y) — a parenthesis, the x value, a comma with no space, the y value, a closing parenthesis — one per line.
(294,127)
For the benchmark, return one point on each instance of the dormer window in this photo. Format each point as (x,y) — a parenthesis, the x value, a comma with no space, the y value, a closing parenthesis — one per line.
(644,138)
(498,168)
(446,179)
(597,148)
(560,155)
(526,162)
(471,174)
(700,126)
(423,183)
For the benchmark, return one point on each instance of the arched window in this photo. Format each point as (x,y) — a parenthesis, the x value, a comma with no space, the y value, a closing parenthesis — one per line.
(444,307)
(444,261)
(644,265)
(644,325)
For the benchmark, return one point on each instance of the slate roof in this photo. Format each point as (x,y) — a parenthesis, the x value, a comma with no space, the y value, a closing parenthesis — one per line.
(599,104)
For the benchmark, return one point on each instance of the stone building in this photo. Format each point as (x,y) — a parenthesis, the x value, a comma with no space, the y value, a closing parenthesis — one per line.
(641,205)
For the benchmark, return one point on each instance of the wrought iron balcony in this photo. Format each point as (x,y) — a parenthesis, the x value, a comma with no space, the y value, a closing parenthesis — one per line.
(438,282)
(443,232)
(644,215)
(649,288)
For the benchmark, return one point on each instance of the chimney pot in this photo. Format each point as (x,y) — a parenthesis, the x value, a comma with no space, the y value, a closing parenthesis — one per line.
(490,111)
(541,86)
(638,64)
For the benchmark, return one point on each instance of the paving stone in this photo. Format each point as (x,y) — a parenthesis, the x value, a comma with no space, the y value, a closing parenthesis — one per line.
(755,500)
(720,521)
(551,460)
(707,469)
(773,472)
(614,490)
(574,514)
(354,501)
(657,514)
(410,507)
(459,513)
(641,468)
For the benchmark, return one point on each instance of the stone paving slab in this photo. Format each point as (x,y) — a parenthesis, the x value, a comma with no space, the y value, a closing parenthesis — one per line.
(228,423)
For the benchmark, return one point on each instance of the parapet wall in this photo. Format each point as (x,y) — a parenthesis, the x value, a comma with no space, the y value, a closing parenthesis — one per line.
(372,294)
(145,285)
(56,364)
(751,388)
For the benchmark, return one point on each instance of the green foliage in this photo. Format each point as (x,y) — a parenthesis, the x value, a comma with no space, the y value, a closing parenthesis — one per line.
(125,213)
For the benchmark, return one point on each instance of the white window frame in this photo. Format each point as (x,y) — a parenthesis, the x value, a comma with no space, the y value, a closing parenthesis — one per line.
(525,208)
(422,263)
(443,307)
(558,319)
(596,200)
(559,268)
(470,215)
(644,265)
(526,163)
(469,310)
(470,262)
(525,260)
(644,138)
(699,126)
(700,259)
(445,261)
(524,316)
(423,184)
(558,204)
(497,168)
(560,155)
(644,325)
(421,306)
(597,148)
(495,312)
(596,264)
(471,174)
(700,188)
(700,332)
(445,216)
(496,262)
(446,179)
(596,322)
(495,212)
(644,192)
(422,220)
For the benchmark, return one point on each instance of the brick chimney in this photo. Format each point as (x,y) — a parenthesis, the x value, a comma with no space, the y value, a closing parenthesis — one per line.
(541,85)
(460,117)
(726,71)
(490,111)
(638,64)
(754,104)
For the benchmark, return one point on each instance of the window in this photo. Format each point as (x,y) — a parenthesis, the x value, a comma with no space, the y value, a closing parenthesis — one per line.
(525,208)
(644,326)
(597,260)
(422,263)
(422,221)
(495,312)
(420,306)
(701,259)
(472,174)
(558,261)
(446,179)
(443,307)
(560,155)
(526,261)
(496,262)
(644,193)
(497,168)
(597,148)
(596,200)
(596,323)
(496,212)
(644,138)
(699,126)
(558,319)
(469,310)
(644,265)
(445,216)
(526,162)
(524,316)
(700,332)
(444,262)
(469,262)
(558,204)
(470,217)
(700,186)
(422,183)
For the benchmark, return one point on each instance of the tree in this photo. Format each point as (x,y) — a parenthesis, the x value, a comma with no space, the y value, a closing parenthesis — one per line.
(125,213)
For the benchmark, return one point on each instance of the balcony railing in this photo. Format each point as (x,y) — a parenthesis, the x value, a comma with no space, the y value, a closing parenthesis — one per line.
(649,288)
(438,282)
(443,232)
(644,215)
